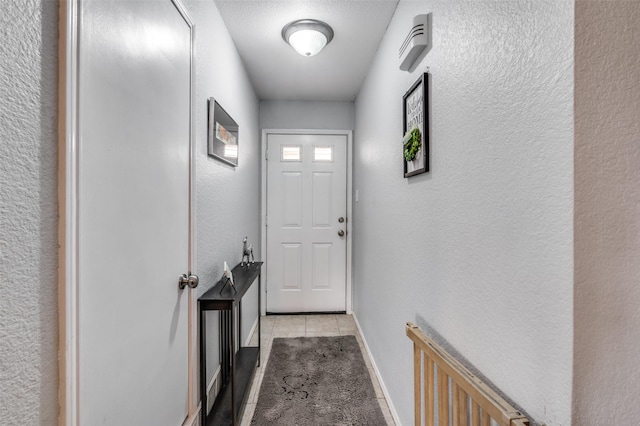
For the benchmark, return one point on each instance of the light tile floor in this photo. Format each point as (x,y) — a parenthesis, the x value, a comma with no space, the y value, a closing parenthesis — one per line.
(306,326)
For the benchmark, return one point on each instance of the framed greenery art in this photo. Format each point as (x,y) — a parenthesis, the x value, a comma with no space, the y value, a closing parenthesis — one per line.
(415,126)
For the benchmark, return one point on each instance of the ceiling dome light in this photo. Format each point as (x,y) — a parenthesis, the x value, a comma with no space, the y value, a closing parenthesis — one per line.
(307,36)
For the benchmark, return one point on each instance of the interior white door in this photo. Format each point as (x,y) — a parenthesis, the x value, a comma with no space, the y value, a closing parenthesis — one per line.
(306,222)
(134,98)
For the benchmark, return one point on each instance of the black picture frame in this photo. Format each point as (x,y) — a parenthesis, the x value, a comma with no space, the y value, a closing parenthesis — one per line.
(222,134)
(415,113)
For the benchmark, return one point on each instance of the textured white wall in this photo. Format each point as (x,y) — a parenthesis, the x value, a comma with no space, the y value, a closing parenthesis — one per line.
(307,115)
(480,250)
(28,213)
(607,213)
(228,198)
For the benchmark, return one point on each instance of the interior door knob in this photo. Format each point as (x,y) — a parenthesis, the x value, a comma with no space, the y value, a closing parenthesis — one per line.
(191,281)
(341,233)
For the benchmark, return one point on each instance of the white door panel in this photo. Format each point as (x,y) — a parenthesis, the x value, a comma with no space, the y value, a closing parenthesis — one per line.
(134,159)
(306,195)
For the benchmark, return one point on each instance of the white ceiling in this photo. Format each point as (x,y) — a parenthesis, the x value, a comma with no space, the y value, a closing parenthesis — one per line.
(279,73)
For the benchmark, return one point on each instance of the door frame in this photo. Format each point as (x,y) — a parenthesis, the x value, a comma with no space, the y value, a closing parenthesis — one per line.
(349,195)
(68,225)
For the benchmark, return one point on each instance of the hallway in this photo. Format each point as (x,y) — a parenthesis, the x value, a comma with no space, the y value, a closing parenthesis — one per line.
(307,326)
(519,247)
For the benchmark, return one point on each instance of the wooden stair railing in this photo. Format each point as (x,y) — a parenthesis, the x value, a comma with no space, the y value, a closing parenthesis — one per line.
(471,401)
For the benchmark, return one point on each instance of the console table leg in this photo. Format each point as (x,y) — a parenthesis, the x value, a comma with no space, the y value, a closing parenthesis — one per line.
(224,348)
(203,369)
(239,341)
(232,357)
(259,320)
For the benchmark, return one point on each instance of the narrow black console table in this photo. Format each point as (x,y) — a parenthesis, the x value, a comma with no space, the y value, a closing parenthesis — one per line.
(238,362)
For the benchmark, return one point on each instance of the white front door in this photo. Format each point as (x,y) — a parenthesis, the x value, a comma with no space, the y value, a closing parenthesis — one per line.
(134,156)
(306,222)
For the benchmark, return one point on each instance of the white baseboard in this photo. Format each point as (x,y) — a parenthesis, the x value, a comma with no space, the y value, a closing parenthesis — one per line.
(193,420)
(392,409)
(253,330)
(213,389)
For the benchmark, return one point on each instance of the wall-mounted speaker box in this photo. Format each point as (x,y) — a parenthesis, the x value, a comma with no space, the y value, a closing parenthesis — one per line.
(416,41)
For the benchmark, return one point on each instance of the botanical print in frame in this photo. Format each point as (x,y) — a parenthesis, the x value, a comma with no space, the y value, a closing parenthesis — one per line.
(415,116)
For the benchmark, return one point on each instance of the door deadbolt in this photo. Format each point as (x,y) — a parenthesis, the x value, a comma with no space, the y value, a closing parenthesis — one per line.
(341,219)
(191,281)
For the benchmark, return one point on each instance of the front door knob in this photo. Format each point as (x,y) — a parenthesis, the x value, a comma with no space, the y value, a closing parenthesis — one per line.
(341,233)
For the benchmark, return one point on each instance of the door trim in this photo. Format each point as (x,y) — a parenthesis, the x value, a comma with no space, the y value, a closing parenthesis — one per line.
(68,131)
(68,224)
(263,207)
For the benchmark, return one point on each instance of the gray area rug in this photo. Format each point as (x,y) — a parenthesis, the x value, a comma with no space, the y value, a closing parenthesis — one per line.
(317,381)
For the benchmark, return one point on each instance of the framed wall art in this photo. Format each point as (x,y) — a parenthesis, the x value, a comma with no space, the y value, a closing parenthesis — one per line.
(415,126)
(222,134)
